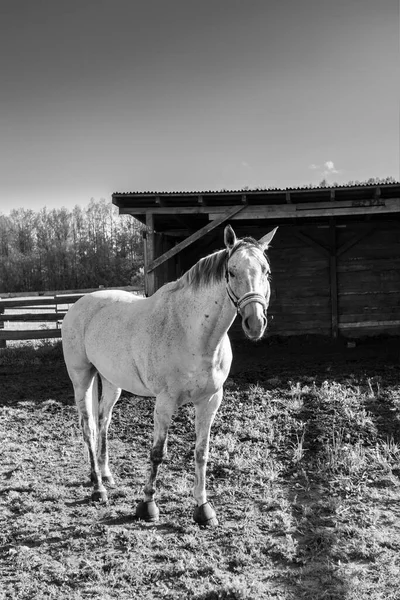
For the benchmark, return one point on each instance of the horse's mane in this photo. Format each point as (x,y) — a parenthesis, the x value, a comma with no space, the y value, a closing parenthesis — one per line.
(211,268)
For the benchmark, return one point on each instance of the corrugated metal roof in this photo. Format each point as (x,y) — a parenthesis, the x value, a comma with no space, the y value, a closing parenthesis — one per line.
(257,189)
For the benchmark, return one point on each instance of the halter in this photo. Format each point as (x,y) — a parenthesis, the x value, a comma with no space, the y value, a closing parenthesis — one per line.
(240,303)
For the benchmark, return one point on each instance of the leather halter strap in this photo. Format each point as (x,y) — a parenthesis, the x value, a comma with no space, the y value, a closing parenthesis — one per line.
(240,303)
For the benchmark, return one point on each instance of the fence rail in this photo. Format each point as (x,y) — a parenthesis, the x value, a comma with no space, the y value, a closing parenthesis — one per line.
(58,300)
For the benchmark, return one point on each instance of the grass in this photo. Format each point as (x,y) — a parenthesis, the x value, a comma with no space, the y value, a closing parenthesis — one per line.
(303,472)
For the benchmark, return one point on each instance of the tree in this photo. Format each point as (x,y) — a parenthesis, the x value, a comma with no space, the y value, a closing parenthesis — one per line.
(62,249)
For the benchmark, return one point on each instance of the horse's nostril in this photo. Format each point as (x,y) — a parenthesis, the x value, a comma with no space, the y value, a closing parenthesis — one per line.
(246,323)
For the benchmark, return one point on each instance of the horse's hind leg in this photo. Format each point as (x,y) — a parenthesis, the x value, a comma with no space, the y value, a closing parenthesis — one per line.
(85,389)
(110,395)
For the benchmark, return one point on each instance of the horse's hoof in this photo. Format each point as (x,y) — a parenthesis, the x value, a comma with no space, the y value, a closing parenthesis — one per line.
(100,496)
(147,511)
(205,515)
(109,481)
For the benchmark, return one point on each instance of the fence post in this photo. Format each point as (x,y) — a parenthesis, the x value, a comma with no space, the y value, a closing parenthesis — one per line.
(3,343)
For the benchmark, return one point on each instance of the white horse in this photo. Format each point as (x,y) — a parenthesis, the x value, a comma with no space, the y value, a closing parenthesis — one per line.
(174,346)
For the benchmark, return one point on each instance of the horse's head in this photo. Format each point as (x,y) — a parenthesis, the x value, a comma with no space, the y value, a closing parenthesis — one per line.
(247,277)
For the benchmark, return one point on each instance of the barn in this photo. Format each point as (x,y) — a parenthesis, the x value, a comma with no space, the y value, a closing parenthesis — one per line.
(335,259)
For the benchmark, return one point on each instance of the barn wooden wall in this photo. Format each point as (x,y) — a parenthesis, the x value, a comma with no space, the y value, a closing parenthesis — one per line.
(300,298)
(365,284)
(369,281)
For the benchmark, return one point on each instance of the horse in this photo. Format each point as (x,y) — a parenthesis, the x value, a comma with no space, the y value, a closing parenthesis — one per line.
(172,346)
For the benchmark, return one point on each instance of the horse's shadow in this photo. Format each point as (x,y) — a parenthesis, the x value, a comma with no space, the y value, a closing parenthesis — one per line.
(316,542)
(130,519)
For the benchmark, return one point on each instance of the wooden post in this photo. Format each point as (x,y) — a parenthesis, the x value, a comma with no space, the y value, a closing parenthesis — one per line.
(3,343)
(150,244)
(333,280)
(145,261)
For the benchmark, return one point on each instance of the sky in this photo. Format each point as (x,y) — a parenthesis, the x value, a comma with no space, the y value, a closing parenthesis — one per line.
(103,96)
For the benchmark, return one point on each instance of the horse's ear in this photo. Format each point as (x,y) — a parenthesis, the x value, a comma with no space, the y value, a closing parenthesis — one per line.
(267,239)
(229,237)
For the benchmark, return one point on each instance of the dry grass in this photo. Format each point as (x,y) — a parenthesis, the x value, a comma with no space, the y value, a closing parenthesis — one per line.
(304,474)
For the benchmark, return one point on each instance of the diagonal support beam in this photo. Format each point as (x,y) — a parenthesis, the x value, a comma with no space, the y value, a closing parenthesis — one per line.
(355,239)
(310,242)
(194,237)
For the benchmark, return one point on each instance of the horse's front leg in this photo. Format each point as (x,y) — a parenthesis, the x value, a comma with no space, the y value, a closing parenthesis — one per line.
(206,410)
(163,411)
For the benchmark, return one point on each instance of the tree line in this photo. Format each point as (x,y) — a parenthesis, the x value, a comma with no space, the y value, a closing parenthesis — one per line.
(63,249)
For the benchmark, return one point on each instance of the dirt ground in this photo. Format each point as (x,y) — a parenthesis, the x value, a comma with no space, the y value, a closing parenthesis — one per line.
(303,472)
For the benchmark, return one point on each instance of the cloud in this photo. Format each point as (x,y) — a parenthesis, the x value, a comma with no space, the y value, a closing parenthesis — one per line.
(324,170)
(329,167)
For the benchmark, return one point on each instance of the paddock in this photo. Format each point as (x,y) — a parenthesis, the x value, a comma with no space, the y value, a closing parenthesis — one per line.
(304,473)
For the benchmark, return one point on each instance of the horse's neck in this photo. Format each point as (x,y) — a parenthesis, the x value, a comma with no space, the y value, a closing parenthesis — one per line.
(208,311)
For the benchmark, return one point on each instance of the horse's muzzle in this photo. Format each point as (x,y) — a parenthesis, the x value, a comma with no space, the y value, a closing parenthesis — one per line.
(254,321)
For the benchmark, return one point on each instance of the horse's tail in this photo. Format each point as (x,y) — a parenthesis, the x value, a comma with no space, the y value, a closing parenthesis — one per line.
(95,401)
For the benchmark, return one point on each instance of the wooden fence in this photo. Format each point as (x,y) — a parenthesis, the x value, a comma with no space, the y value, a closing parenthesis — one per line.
(50,307)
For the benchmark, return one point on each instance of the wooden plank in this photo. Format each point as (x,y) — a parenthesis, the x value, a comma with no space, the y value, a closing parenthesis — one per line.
(361,324)
(288,305)
(335,204)
(194,237)
(33,302)
(165,210)
(128,288)
(44,302)
(308,209)
(287,320)
(39,302)
(378,313)
(32,317)
(306,331)
(369,287)
(368,292)
(375,251)
(351,302)
(303,295)
(379,265)
(70,298)
(31,334)
(376,279)
(303,325)
(300,254)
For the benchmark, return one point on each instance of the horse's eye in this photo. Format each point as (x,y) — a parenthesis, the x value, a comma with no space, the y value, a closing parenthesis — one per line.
(231,273)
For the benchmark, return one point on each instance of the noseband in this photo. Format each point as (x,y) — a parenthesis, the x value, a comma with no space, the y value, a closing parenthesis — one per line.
(240,303)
